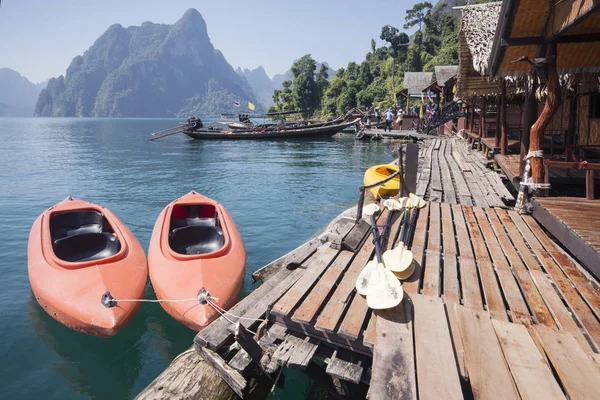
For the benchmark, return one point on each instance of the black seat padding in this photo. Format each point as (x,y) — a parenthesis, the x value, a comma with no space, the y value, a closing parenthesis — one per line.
(75,222)
(183,222)
(87,246)
(196,239)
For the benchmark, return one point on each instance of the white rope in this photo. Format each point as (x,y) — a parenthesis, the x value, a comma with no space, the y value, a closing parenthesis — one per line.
(535,154)
(153,301)
(219,308)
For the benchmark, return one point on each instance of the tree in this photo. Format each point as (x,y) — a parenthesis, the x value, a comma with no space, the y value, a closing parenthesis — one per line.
(395,38)
(304,89)
(373,45)
(417,14)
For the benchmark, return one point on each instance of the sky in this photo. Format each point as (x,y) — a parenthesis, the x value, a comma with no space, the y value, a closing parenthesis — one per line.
(39,38)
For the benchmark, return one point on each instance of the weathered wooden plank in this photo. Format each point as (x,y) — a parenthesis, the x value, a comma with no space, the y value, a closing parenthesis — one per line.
(302,354)
(448,239)
(468,269)
(371,331)
(488,373)
(233,378)
(577,372)
(437,375)
(315,267)
(557,308)
(459,179)
(434,234)
(435,184)
(459,350)
(254,306)
(241,361)
(478,197)
(533,297)
(449,194)
(411,164)
(508,284)
(292,259)
(518,241)
(451,285)
(568,291)
(566,264)
(332,312)
(352,323)
(486,270)
(355,237)
(393,371)
(341,366)
(315,299)
(431,278)
(532,375)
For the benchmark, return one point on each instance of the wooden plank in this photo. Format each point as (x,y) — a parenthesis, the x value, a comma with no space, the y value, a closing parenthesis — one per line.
(233,378)
(412,284)
(436,376)
(451,285)
(476,194)
(568,291)
(435,184)
(315,267)
(431,278)
(459,350)
(254,306)
(448,239)
(488,373)
(566,264)
(449,194)
(518,241)
(508,284)
(371,331)
(532,375)
(411,162)
(241,361)
(468,269)
(339,365)
(532,295)
(577,372)
(434,240)
(355,237)
(303,353)
(557,308)
(333,310)
(309,307)
(291,260)
(393,371)
(486,270)
(354,318)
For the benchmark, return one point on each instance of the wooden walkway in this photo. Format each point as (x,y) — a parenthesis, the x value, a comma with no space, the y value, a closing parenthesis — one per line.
(454,174)
(575,222)
(509,164)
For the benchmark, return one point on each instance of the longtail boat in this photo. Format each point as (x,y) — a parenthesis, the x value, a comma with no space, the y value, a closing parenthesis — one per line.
(77,252)
(196,248)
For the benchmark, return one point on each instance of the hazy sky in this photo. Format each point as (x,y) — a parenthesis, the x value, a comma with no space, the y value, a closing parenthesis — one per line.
(39,38)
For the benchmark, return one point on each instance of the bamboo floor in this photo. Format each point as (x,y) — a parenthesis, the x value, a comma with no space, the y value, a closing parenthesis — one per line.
(495,309)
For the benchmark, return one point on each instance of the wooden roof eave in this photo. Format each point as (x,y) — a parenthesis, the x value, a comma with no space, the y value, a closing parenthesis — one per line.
(497,53)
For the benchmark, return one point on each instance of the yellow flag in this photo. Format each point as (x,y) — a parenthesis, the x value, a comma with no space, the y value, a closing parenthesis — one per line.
(421,111)
(422,98)
(251,106)
(454,89)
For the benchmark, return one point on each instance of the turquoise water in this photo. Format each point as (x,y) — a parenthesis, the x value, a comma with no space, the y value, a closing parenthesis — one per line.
(279,193)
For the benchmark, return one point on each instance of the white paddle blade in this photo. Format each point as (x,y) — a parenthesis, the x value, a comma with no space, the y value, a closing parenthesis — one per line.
(384,290)
(416,201)
(398,260)
(362,282)
(371,209)
(392,204)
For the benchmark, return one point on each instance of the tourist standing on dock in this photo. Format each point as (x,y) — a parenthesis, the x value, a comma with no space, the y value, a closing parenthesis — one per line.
(377,118)
(389,117)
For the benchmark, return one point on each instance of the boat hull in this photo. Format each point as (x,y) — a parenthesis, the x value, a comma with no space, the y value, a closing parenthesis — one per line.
(177,276)
(71,291)
(306,132)
(379,172)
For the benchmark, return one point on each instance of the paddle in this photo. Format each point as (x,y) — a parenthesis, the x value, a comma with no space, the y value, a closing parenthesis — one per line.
(383,290)
(399,260)
(392,205)
(165,135)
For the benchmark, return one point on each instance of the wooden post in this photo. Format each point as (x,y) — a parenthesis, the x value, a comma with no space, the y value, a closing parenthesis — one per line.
(550,107)
(498,108)
(472,119)
(482,122)
(503,123)
(528,118)
(570,139)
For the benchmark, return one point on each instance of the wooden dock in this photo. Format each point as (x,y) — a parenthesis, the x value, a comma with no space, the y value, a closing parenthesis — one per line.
(451,172)
(495,308)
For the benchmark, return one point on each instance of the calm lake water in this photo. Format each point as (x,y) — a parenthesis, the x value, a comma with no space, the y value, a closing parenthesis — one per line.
(279,193)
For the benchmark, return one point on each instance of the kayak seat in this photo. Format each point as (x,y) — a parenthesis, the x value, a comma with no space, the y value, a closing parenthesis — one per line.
(76,222)
(183,222)
(196,239)
(86,246)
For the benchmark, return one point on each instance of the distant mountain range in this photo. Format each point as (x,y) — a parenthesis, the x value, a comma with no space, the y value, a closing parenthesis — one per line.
(263,86)
(17,94)
(152,70)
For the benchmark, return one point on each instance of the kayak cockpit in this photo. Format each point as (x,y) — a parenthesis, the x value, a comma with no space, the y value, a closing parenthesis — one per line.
(82,235)
(195,229)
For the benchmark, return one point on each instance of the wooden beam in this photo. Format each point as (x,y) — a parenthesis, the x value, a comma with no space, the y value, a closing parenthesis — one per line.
(503,123)
(498,108)
(539,40)
(528,118)
(550,107)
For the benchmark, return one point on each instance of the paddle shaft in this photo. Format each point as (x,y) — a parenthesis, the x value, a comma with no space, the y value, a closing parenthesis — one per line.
(376,239)
(167,130)
(168,134)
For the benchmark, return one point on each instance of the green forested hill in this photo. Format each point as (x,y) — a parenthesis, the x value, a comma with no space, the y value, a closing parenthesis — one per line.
(152,70)
(379,76)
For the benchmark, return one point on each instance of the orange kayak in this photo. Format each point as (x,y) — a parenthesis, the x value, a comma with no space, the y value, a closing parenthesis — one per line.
(195,244)
(77,252)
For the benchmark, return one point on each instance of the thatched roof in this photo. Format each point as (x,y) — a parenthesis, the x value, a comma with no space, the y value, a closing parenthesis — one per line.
(477,31)
(443,73)
(415,82)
